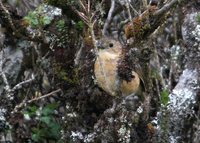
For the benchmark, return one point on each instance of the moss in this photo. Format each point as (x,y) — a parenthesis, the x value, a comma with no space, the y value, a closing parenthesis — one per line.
(164,96)
(69,76)
(198,18)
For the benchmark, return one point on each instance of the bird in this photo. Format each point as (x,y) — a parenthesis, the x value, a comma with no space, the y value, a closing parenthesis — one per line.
(105,69)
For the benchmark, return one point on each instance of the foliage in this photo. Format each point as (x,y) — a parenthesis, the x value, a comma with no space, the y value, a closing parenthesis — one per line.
(47,127)
(79,25)
(198,18)
(60,25)
(155,74)
(37,19)
(164,96)
(62,74)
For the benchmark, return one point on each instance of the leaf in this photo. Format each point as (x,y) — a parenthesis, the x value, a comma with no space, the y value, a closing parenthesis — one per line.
(80,25)
(155,74)
(46,111)
(55,130)
(164,96)
(46,119)
(35,137)
(37,134)
(46,20)
(60,25)
(31,18)
(49,109)
(52,105)
(31,110)
(34,22)
(198,18)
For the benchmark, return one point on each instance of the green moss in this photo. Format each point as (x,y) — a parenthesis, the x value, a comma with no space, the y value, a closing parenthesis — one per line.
(80,25)
(164,96)
(70,77)
(37,19)
(155,74)
(198,18)
(60,25)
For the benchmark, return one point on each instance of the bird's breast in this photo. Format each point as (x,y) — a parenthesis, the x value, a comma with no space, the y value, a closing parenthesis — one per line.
(105,70)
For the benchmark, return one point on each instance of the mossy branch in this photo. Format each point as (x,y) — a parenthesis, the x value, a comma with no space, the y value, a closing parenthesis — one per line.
(145,24)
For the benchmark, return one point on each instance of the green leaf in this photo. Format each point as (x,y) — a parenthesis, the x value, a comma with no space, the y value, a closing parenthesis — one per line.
(37,134)
(198,18)
(35,137)
(49,109)
(55,130)
(31,111)
(155,74)
(46,119)
(52,106)
(32,19)
(46,20)
(60,25)
(164,96)
(80,25)
(34,22)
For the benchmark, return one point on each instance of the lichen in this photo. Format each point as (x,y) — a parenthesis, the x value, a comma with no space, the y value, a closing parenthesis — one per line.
(196,33)
(124,134)
(181,103)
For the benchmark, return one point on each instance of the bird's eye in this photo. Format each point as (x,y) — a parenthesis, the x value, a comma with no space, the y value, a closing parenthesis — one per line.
(110,45)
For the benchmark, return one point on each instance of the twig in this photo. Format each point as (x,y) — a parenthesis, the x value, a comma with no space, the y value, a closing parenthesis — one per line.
(144,3)
(82,16)
(88,6)
(44,96)
(95,12)
(9,90)
(135,11)
(5,80)
(88,19)
(82,5)
(19,85)
(91,27)
(128,9)
(166,7)
(109,18)
(158,66)
(22,104)
(78,55)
